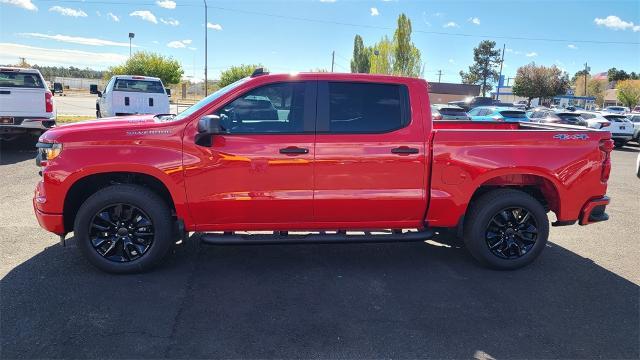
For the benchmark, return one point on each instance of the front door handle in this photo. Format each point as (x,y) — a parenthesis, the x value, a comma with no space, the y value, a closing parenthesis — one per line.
(294,150)
(404,150)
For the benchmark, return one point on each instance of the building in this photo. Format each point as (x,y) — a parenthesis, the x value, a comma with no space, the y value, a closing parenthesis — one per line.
(506,96)
(442,93)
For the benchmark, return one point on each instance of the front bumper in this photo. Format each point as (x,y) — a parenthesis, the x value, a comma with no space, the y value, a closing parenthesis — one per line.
(50,222)
(594,211)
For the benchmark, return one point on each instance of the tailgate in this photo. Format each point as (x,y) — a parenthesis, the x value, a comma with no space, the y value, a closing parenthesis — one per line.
(140,103)
(22,102)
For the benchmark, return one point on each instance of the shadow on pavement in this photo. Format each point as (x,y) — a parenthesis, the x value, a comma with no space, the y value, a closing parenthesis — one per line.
(17,150)
(318,301)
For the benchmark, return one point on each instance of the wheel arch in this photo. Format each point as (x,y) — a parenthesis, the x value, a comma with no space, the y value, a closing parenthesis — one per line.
(85,186)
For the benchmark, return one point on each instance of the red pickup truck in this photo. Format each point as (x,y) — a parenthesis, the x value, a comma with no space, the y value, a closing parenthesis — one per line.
(315,158)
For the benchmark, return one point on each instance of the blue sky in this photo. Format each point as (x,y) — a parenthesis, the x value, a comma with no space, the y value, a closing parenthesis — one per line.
(300,35)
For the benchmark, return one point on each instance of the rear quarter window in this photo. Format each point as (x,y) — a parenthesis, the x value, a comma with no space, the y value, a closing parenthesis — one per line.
(16,79)
(452,112)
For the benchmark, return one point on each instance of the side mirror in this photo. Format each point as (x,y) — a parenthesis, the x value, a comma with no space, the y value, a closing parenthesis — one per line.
(168,91)
(99,93)
(207,126)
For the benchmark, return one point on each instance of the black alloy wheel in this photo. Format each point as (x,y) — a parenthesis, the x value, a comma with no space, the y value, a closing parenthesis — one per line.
(511,233)
(121,232)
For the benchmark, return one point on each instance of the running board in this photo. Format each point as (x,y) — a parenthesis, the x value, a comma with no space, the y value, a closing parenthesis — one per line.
(339,237)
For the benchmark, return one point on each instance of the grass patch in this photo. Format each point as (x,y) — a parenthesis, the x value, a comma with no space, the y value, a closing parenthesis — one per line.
(66,119)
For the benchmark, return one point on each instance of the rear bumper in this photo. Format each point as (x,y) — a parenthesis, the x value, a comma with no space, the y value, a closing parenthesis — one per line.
(50,222)
(594,211)
(621,136)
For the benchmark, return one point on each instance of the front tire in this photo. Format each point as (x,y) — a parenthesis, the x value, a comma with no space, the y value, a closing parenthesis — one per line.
(506,229)
(124,229)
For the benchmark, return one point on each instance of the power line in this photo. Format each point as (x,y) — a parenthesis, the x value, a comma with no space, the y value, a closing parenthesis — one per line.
(331,22)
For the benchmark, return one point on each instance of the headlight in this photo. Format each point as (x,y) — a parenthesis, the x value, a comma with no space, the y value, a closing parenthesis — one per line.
(47,151)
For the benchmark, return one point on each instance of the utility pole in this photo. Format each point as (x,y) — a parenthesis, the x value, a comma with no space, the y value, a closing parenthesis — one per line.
(586,71)
(206,30)
(333,59)
(500,76)
(439,75)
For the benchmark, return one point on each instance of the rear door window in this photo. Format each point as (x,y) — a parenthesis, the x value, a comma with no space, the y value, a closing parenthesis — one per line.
(513,114)
(17,79)
(364,108)
(143,86)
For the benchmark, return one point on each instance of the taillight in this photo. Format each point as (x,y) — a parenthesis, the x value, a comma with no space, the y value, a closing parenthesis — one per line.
(48,102)
(604,124)
(498,118)
(437,116)
(606,146)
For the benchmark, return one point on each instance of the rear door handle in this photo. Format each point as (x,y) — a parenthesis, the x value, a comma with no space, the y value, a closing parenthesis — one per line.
(293,150)
(404,150)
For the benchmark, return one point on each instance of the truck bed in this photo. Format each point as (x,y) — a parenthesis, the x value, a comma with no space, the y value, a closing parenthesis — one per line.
(481,125)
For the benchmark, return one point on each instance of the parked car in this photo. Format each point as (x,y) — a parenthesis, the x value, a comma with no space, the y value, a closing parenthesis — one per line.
(621,128)
(544,115)
(344,153)
(495,113)
(448,112)
(26,104)
(131,95)
(616,110)
(473,102)
(636,109)
(621,131)
(635,119)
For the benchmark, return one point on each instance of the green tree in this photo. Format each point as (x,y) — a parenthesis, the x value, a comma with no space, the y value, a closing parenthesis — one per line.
(634,76)
(406,61)
(578,75)
(381,57)
(149,64)
(614,74)
(597,89)
(236,73)
(360,61)
(540,82)
(483,72)
(629,92)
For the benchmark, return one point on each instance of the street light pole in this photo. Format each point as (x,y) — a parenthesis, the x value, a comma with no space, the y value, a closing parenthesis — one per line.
(206,30)
(500,75)
(131,36)
(333,59)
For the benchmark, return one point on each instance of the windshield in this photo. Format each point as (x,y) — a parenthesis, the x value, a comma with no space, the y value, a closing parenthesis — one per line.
(207,100)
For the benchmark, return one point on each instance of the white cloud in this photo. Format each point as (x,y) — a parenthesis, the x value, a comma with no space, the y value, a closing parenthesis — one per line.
(474,20)
(532,54)
(76,40)
(167,4)
(179,44)
(374,11)
(615,23)
(113,17)
(451,61)
(68,11)
(25,4)
(214,26)
(450,24)
(328,1)
(145,15)
(176,44)
(56,57)
(571,46)
(170,21)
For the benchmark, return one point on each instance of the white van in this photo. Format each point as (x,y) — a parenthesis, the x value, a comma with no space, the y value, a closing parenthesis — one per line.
(130,95)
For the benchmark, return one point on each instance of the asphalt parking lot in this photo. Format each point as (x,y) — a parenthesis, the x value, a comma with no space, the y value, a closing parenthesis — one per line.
(579,300)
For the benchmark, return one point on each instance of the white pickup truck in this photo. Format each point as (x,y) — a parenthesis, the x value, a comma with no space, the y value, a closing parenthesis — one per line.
(26,104)
(130,94)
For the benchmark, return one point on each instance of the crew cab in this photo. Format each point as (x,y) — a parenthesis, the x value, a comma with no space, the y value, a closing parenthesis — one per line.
(26,104)
(130,95)
(316,157)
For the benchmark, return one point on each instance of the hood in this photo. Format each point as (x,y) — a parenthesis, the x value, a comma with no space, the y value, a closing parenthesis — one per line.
(87,130)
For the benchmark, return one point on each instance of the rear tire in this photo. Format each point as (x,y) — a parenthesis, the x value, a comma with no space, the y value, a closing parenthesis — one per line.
(141,211)
(519,242)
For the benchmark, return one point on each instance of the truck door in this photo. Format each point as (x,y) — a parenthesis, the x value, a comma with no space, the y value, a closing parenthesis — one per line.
(258,174)
(370,156)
